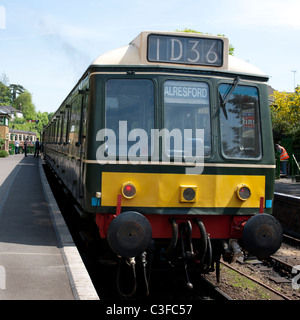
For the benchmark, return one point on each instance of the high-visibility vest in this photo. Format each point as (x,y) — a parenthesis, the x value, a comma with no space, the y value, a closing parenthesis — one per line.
(283,155)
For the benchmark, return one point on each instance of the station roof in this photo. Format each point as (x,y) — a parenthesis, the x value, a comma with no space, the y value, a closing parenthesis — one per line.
(8,110)
(22,132)
(4,111)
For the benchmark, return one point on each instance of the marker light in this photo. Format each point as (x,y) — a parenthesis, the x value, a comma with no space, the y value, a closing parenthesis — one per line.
(188,193)
(128,190)
(243,192)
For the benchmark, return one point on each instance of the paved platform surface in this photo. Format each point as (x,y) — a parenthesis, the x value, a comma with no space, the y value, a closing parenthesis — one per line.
(287,186)
(38,259)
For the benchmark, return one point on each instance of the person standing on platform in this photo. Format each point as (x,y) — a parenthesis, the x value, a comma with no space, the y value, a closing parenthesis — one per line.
(283,155)
(16,147)
(25,146)
(37,148)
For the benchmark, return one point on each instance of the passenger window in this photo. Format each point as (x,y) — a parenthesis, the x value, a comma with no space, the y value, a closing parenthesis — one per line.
(68,124)
(130,100)
(82,125)
(58,130)
(61,139)
(74,121)
(187,107)
(240,130)
(53,132)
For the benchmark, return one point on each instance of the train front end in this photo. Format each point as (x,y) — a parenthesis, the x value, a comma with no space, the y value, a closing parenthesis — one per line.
(183,155)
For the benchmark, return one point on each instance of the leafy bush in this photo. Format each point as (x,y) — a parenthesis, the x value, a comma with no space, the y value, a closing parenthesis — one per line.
(3,154)
(11,148)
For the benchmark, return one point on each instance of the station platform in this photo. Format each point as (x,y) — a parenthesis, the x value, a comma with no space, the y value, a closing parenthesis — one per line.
(38,258)
(287,186)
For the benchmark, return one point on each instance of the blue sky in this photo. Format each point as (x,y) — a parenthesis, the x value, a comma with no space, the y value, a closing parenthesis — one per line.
(47,45)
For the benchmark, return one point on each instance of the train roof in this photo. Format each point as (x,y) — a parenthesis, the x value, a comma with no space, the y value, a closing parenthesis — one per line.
(135,54)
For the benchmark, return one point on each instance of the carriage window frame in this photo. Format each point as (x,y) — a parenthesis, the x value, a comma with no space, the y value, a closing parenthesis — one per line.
(202,109)
(83,119)
(254,116)
(58,127)
(113,103)
(62,125)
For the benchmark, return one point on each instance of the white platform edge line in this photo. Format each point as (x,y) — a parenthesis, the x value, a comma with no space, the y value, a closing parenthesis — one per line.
(287,195)
(80,281)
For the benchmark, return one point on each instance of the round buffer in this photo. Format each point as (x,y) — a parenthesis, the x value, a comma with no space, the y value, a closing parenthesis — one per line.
(262,235)
(129,234)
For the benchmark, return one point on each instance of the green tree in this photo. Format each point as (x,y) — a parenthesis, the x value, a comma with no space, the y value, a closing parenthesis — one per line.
(5,98)
(50,115)
(42,120)
(27,107)
(16,89)
(17,96)
(5,94)
(285,111)
(2,143)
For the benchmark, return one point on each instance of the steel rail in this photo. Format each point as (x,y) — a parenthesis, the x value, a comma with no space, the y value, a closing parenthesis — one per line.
(257,281)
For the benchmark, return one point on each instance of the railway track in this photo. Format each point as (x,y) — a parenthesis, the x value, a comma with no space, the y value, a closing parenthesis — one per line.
(257,281)
(279,275)
(219,294)
(292,241)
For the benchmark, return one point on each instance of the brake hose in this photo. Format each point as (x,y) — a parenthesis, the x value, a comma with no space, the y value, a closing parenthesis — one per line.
(204,239)
(144,263)
(131,263)
(173,242)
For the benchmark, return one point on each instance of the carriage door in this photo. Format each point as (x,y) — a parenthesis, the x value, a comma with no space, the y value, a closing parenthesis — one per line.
(82,141)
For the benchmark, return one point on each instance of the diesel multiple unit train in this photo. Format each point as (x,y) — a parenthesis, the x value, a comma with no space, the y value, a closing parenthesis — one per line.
(166,145)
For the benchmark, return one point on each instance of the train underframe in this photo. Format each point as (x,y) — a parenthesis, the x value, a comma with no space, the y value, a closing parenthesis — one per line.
(183,242)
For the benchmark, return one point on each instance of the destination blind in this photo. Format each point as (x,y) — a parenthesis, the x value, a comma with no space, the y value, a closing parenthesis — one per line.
(186,92)
(186,50)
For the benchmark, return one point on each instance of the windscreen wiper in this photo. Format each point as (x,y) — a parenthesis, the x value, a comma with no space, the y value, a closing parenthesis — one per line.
(226,96)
